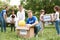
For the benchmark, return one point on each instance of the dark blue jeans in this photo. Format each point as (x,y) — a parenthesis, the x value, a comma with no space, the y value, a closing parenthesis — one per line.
(37,29)
(13,27)
(57,25)
(3,24)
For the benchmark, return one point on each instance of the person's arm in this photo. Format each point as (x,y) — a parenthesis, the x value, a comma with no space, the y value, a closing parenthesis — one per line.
(36,22)
(55,17)
(17,14)
(41,18)
(5,15)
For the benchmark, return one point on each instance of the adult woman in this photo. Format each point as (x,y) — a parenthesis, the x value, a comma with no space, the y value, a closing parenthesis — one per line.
(20,15)
(4,16)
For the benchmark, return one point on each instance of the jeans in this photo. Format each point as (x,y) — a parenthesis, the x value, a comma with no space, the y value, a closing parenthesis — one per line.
(3,24)
(57,25)
(12,26)
(37,29)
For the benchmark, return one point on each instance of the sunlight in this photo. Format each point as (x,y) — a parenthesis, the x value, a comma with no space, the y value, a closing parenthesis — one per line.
(14,2)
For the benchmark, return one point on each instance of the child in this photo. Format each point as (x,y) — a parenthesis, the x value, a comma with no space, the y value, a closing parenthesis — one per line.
(56,19)
(12,16)
(42,12)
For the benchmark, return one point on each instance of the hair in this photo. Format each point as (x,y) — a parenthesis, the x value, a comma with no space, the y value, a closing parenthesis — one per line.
(6,7)
(57,8)
(42,10)
(29,11)
(20,6)
(12,10)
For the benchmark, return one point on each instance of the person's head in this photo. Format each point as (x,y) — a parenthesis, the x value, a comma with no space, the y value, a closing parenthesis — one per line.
(30,13)
(42,11)
(12,11)
(7,8)
(56,8)
(20,8)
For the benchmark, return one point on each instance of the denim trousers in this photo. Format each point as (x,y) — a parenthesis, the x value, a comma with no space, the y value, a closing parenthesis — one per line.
(57,25)
(12,27)
(3,24)
(37,29)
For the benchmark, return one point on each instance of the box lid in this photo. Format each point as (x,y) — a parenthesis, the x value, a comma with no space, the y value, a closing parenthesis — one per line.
(25,28)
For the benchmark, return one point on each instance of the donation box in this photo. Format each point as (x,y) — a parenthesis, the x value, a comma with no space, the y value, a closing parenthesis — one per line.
(25,32)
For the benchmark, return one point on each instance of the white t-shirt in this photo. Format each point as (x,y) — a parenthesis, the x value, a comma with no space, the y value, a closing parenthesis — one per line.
(57,15)
(11,16)
(9,19)
(21,15)
(41,16)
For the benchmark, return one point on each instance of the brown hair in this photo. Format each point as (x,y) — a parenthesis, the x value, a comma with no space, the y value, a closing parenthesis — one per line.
(42,10)
(6,7)
(20,6)
(29,11)
(57,8)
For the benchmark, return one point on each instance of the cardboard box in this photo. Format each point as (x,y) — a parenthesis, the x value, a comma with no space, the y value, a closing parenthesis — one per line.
(25,32)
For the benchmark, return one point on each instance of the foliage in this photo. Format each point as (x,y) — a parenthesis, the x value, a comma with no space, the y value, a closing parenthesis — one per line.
(37,5)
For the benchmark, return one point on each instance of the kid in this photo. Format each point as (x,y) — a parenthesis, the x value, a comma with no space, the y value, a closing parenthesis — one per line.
(42,12)
(56,19)
(12,16)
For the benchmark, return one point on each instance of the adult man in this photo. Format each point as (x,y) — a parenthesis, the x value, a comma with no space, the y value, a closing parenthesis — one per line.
(33,21)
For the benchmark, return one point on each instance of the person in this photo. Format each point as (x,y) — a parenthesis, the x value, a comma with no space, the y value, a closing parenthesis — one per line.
(33,21)
(20,14)
(3,13)
(12,16)
(42,12)
(56,19)
(1,21)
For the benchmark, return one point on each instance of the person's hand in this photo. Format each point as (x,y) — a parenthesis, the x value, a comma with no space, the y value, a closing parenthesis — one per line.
(29,25)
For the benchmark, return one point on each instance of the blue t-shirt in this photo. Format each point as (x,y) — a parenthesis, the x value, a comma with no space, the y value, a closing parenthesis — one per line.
(3,11)
(0,15)
(32,20)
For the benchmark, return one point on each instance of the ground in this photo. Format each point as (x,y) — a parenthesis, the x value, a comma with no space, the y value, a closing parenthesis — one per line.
(48,34)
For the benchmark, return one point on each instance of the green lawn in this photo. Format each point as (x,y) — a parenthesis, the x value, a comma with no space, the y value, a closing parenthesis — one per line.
(48,34)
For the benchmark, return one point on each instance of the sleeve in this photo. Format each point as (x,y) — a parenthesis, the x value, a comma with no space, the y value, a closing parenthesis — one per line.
(27,22)
(35,18)
(4,13)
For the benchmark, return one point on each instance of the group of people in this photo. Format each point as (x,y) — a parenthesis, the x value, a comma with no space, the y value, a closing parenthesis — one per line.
(31,20)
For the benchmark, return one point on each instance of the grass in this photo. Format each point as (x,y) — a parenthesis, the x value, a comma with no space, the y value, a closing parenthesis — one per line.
(49,33)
